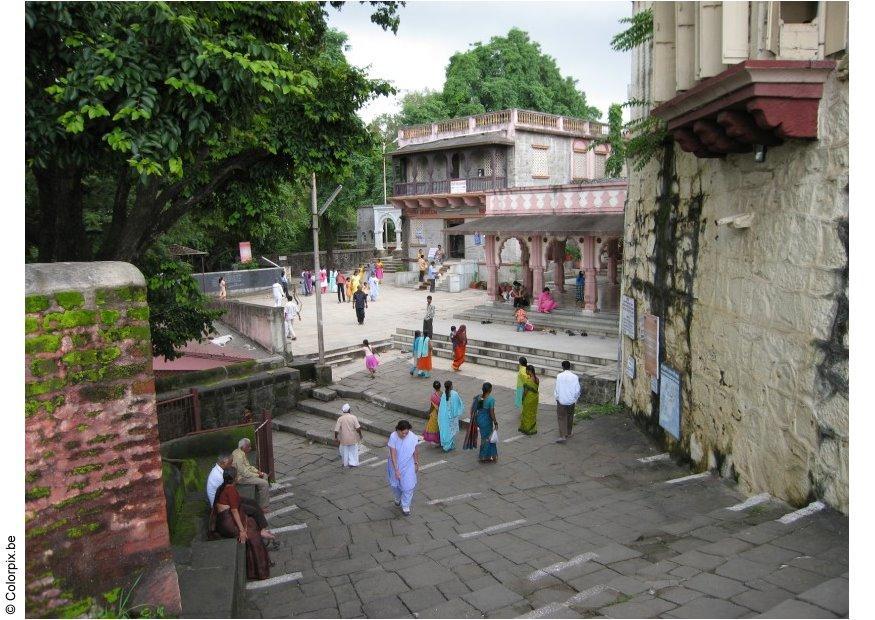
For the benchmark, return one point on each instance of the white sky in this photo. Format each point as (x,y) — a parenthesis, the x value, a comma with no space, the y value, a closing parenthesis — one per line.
(576,34)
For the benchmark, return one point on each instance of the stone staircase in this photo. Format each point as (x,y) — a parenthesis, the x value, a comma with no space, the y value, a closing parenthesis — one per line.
(391,264)
(561,319)
(501,355)
(314,417)
(441,282)
(342,355)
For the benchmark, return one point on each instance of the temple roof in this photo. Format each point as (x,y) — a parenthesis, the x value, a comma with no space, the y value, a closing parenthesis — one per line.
(494,137)
(582,223)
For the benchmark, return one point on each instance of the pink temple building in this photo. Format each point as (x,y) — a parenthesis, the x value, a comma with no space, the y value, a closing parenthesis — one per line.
(476,183)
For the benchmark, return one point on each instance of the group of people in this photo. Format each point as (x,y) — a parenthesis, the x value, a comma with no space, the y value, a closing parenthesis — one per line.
(234,516)
(428,271)
(566,392)
(445,410)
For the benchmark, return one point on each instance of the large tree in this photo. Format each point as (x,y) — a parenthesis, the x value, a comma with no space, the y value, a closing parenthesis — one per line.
(171,103)
(506,72)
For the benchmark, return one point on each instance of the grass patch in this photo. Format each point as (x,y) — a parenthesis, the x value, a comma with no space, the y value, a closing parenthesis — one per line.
(590,412)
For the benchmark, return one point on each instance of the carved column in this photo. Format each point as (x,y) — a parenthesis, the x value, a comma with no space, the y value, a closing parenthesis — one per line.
(537,265)
(590,290)
(378,236)
(491,268)
(612,261)
(559,264)
(397,234)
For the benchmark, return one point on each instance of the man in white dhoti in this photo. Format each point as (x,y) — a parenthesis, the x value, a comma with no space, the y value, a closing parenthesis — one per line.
(291,310)
(402,465)
(278,294)
(345,433)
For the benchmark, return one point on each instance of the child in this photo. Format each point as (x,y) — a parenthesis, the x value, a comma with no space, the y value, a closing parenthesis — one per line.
(371,361)
(521,319)
(344,432)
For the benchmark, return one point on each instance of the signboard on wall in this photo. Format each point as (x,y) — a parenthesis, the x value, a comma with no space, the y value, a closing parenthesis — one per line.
(245,252)
(628,322)
(651,345)
(630,367)
(478,239)
(670,401)
(459,187)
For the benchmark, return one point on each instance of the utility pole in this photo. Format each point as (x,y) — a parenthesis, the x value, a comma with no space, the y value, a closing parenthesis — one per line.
(318,288)
(384,173)
(316,213)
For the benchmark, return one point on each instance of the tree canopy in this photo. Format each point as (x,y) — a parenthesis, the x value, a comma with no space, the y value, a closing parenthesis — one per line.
(506,72)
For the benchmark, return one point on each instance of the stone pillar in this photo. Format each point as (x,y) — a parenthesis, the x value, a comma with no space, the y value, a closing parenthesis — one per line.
(558,254)
(590,290)
(397,235)
(491,268)
(94,498)
(378,238)
(537,262)
(612,261)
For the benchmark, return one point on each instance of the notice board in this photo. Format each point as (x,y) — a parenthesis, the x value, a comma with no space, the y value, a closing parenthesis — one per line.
(670,401)
(651,345)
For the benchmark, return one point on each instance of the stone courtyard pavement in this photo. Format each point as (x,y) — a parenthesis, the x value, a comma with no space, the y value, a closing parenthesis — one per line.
(603,526)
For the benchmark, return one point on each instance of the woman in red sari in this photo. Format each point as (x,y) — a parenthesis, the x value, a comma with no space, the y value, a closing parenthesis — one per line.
(228,521)
(460,343)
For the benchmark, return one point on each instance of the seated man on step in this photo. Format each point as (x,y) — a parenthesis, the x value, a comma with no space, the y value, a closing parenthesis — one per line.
(249,475)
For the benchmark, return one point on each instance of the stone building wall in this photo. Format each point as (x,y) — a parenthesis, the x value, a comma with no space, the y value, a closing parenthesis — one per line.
(95,509)
(558,159)
(756,319)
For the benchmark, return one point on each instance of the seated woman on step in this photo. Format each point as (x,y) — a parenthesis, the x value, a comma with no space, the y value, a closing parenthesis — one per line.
(229,521)
(546,303)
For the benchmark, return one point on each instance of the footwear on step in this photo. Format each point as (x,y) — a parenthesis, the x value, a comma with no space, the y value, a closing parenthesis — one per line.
(405,512)
(397,503)
(560,440)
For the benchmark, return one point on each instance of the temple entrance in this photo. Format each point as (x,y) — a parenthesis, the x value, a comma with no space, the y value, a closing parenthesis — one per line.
(456,243)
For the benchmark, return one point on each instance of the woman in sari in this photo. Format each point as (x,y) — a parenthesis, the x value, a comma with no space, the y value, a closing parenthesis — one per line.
(520,377)
(402,465)
(323,281)
(432,430)
(349,289)
(422,355)
(484,404)
(460,344)
(380,270)
(529,413)
(356,280)
(546,303)
(332,281)
(448,416)
(374,283)
(228,521)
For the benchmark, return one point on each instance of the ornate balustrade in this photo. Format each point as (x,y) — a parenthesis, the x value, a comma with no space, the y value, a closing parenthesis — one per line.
(444,186)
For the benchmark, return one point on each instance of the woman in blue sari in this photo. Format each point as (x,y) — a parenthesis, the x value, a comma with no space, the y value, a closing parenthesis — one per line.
(375,287)
(485,419)
(421,355)
(448,416)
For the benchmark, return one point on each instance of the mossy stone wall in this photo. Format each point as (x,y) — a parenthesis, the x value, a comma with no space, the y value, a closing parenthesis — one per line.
(95,507)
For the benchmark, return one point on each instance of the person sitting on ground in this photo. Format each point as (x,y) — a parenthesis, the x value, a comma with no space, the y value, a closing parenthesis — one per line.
(520,319)
(228,521)
(248,506)
(546,303)
(249,475)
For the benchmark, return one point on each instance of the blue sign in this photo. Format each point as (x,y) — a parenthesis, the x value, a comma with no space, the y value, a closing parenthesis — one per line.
(670,400)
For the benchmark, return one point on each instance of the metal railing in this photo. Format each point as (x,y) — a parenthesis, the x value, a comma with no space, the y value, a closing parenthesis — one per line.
(179,416)
(424,188)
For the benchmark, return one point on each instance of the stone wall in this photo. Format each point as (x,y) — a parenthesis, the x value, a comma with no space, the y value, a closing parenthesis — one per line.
(558,159)
(238,282)
(95,510)
(263,324)
(755,319)
(344,260)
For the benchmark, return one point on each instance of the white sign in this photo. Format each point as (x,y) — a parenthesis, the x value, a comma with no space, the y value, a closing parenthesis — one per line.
(630,367)
(628,312)
(459,187)
(431,253)
(670,401)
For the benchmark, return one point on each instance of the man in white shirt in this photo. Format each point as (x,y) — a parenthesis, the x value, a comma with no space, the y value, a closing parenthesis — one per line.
(566,392)
(278,295)
(429,317)
(345,431)
(291,310)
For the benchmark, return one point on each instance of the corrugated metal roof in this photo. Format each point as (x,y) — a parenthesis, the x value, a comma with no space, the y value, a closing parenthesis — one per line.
(494,137)
(581,223)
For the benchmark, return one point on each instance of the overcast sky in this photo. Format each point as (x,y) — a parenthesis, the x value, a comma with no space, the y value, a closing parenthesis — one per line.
(576,34)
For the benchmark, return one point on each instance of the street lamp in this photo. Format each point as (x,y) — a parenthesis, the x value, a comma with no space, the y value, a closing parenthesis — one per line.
(316,213)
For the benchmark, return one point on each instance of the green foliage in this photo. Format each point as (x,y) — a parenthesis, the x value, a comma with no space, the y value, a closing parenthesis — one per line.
(179,310)
(506,72)
(637,34)
(36,303)
(70,300)
(590,412)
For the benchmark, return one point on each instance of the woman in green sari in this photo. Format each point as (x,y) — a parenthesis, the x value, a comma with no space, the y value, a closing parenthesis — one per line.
(529,414)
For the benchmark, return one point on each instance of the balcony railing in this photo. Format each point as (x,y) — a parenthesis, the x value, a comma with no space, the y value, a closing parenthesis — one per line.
(491,120)
(449,186)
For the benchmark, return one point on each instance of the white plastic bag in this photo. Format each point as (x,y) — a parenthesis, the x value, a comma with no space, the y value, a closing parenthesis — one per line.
(493,438)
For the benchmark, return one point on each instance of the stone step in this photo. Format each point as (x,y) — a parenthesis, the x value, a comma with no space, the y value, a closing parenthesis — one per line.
(513,351)
(368,399)
(344,355)
(592,327)
(319,429)
(324,394)
(372,417)
(507,309)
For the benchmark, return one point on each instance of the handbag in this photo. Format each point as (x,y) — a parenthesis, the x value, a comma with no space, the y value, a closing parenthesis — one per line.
(493,438)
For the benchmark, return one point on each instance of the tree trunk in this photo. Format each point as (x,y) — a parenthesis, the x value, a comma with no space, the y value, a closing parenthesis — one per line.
(62,232)
(119,214)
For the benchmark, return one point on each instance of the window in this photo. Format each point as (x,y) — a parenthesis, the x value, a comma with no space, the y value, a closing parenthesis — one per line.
(600,160)
(578,165)
(539,162)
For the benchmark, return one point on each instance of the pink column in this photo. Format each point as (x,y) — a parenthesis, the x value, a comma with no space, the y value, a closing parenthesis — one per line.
(537,261)
(612,261)
(590,289)
(491,268)
(559,265)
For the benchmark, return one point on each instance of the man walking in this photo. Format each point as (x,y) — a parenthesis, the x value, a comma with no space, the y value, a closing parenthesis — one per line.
(432,276)
(422,265)
(341,287)
(345,433)
(566,392)
(289,315)
(284,281)
(278,294)
(249,475)
(429,317)
(360,301)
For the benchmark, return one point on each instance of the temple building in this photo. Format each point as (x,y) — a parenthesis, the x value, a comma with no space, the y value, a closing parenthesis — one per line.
(735,255)
(512,187)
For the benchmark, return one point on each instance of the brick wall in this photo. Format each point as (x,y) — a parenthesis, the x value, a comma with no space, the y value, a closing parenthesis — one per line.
(95,507)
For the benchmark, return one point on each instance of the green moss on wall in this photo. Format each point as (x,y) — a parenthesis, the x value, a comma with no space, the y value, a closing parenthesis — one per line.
(43,387)
(45,529)
(102,393)
(30,324)
(69,319)
(80,340)
(114,474)
(134,332)
(32,476)
(81,530)
(86,469)
(36,303)
(41,366)
(102,439)
(70,300)
(49,343)
(78,499)
(109,317)
(37,493)
(139,314)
